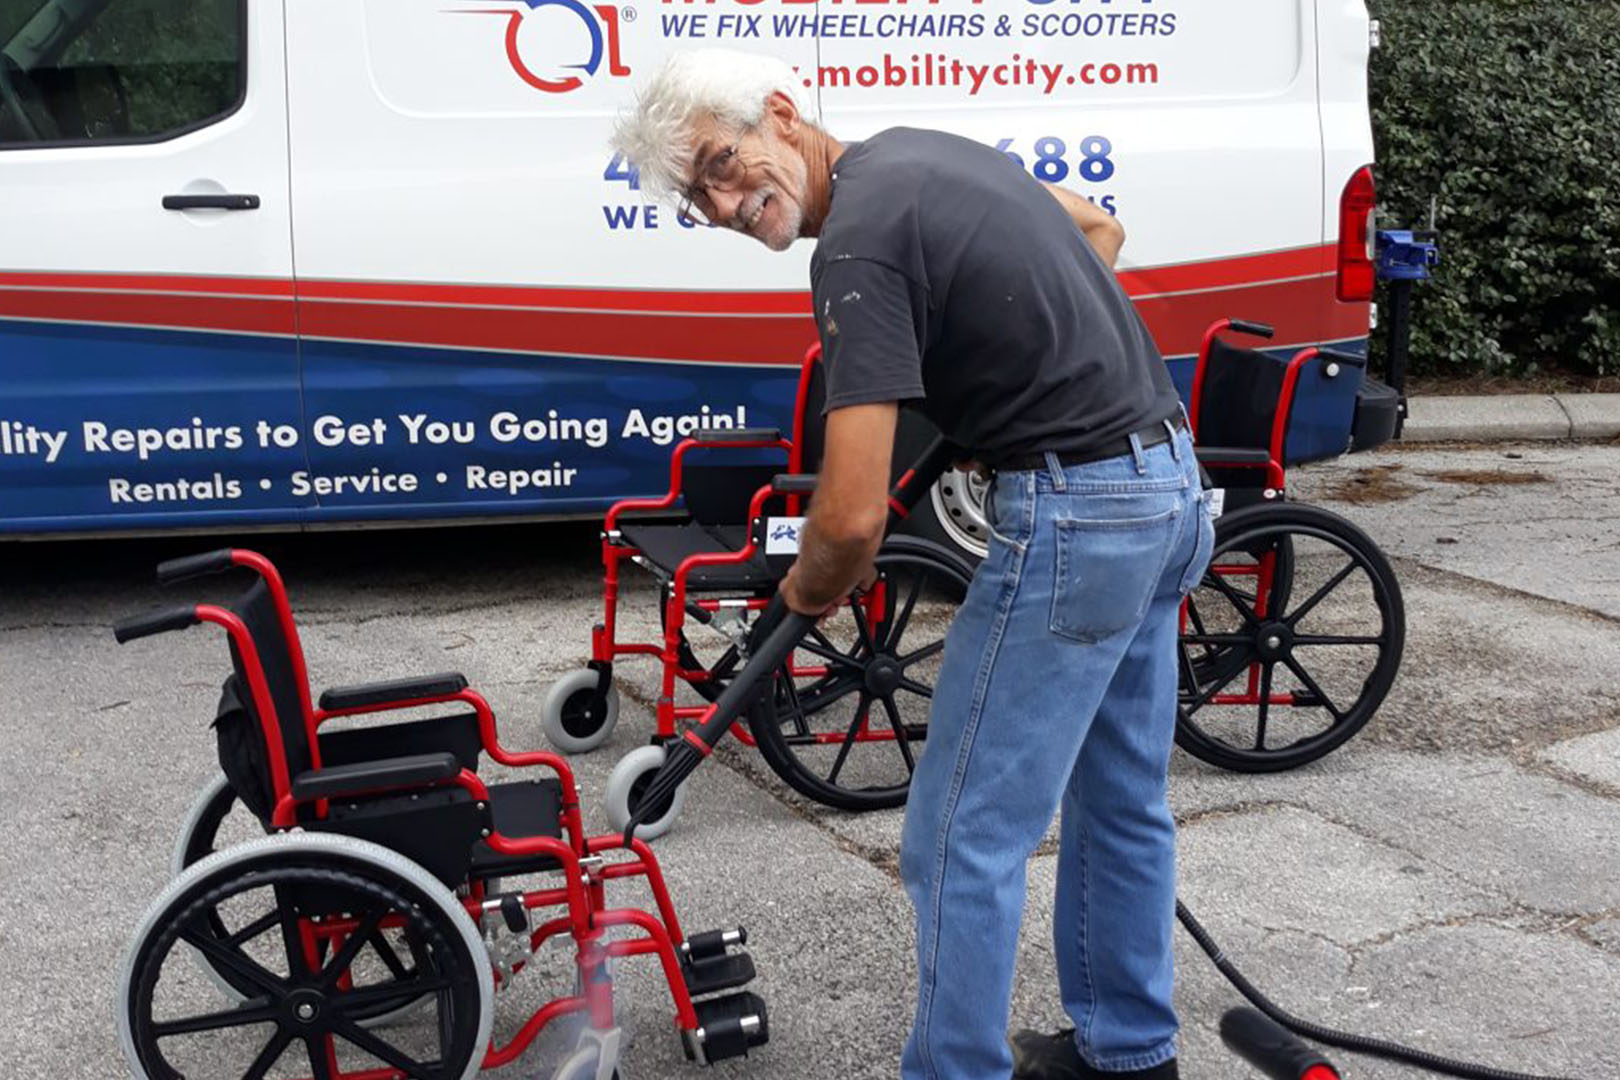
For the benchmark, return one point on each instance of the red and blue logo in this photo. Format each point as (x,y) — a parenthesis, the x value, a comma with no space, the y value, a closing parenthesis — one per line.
(547,52)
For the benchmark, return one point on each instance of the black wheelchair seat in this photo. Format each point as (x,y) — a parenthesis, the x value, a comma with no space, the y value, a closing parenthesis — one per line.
(665,546)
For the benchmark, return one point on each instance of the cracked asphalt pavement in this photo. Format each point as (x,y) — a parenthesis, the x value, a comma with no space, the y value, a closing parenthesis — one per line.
(1449,879)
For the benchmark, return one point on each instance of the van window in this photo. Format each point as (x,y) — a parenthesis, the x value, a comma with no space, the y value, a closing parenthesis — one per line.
(100,71)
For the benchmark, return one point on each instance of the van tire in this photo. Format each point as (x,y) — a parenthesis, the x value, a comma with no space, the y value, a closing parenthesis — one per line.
(952,513)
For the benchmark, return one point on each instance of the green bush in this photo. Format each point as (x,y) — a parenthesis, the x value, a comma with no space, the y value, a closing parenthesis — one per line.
(1506,113)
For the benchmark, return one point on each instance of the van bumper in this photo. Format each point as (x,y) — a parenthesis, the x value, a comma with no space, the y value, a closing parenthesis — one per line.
(1377,415)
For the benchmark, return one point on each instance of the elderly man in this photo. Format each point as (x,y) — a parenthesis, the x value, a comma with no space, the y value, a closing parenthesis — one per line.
(946,276)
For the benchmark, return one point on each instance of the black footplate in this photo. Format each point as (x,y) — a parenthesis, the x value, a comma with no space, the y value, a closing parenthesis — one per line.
(709,966)
(724,972)
(728,1027)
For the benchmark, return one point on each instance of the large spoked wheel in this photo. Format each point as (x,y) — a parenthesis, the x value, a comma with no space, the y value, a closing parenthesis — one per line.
(1291,641)
(846,728)
(298,910)
(217,821)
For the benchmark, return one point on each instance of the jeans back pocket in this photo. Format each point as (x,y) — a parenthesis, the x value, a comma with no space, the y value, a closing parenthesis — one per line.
(1203,545)
(1107,572)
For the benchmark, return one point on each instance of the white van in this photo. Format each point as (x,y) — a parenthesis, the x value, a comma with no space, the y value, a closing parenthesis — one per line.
(291,262)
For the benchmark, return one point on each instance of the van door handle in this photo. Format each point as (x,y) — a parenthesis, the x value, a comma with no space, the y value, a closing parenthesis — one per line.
(210,202)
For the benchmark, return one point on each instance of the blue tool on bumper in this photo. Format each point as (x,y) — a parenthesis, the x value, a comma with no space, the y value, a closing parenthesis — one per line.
(1403,258)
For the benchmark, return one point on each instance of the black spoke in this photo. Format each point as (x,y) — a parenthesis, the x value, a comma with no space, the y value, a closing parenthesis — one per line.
(808,703)
(385,995)
(320,1065)
(922,654)
(1239,602)
(1228,640)
(901,736)
(251,1013)
(254,928)
(385,952)
(1265,704)
(917,688)
(234,959)
(1204,696)
(829,653)
(349,1031)
(1310,684)
(1336,639)
(1333,583)
(898,627)
(291,935)
(849,738)
(351,948)
(1197,621)
(858,610)
(268,1056)
(797,705)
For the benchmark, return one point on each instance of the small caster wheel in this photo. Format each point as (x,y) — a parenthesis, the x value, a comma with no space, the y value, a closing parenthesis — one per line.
(573,718)
(628,780)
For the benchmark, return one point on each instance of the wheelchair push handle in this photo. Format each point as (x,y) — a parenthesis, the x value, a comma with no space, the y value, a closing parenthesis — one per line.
(155,622)
(190,566)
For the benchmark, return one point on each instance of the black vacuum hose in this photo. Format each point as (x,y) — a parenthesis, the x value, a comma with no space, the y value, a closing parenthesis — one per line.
(1360,1044)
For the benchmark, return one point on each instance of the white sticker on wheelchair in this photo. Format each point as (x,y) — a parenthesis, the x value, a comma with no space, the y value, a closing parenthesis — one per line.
(782,535)
(1217,501)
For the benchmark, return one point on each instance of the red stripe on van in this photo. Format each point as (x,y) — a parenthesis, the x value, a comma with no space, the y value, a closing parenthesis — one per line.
(1228,273)
(736,339)
(160,283)
(229,314)
(630,300)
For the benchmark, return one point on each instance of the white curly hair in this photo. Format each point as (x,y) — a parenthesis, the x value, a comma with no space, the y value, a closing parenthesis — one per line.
(731,86)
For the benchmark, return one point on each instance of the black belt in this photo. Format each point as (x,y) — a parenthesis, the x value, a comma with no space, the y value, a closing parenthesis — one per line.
(1152,435)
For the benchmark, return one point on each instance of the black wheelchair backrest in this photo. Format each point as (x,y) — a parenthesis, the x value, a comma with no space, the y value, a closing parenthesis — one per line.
(241,751)
(1239,397)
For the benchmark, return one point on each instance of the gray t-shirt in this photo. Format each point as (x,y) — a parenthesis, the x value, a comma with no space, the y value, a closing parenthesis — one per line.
(946,275)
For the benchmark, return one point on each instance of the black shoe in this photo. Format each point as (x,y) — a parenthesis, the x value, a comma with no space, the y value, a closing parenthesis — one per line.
(1041,1056)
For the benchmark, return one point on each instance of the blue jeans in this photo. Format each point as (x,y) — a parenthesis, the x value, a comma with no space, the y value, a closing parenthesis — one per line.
(1057,688)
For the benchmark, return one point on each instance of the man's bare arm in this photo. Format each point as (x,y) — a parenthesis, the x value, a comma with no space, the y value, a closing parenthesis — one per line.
(849,509)
(1100,228)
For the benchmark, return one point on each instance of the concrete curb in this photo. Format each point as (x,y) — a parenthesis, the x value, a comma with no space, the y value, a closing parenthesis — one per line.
(1509,417)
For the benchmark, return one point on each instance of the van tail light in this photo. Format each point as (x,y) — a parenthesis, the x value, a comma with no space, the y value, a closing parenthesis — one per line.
(1357,274)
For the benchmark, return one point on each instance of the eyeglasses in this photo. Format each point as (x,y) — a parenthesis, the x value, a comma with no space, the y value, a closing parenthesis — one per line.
(723,172)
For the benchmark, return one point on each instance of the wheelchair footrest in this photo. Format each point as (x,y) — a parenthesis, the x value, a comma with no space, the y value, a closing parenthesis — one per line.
(728,1027)
(725,972)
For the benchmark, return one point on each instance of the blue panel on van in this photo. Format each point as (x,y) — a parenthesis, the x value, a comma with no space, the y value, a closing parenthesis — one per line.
(111,427)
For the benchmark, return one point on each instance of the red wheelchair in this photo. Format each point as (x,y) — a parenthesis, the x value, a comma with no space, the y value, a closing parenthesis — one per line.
(393,890)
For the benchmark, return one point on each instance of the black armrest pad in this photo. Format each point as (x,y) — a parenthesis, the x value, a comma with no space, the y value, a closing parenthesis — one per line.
(369,776)
(1231,455)
(386,693)
(731,435)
